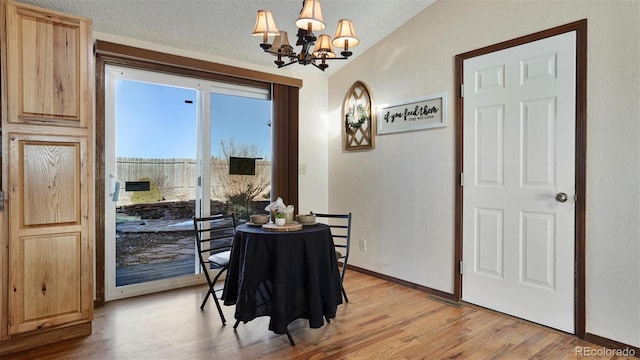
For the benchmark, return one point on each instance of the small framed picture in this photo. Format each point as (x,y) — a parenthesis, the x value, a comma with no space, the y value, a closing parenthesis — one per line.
(359,120)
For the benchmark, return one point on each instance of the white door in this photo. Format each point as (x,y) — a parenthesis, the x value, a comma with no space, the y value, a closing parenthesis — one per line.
(519,145)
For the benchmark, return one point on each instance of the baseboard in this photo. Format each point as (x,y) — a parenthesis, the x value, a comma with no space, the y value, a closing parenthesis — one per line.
(31,340)
(619,349)
(408,284)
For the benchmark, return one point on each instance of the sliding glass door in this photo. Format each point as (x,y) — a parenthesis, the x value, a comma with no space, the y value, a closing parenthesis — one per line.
(160,134)
(240,131)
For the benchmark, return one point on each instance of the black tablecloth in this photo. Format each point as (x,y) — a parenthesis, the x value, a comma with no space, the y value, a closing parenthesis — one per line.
(284,275)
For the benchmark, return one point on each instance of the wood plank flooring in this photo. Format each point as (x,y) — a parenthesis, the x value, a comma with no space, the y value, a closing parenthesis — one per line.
(140,273)
(382,321)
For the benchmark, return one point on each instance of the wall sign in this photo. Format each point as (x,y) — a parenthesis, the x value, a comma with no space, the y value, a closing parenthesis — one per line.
(418,114)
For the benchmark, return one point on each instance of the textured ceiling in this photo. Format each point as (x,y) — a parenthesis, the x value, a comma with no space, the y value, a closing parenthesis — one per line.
(223,27)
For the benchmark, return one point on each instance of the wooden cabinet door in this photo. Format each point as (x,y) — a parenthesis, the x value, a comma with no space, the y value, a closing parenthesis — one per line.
(50,252)
(48,60)
(49,127)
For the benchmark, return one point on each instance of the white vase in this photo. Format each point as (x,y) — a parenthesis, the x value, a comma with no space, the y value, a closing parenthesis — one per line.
(280,221)
(288,217)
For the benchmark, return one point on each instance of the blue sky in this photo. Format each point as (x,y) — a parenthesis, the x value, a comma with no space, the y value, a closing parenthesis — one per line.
(243,119)
(155,121)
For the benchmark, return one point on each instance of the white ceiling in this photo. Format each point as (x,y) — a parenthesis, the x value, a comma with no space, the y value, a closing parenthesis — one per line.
(223,27)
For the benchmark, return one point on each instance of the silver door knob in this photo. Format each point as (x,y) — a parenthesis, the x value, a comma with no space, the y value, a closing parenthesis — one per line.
(561,197)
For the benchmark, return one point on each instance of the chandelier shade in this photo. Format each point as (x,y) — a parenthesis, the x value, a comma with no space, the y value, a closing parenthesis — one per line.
(311,16)
(315,50)
(265,26)
(345,36)
(281,44)
(323,47)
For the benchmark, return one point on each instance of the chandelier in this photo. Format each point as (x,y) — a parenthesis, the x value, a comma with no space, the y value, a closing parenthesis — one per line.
(310,20)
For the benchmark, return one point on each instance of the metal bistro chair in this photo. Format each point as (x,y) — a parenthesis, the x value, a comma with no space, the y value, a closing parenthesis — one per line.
(214,238)
(340,225)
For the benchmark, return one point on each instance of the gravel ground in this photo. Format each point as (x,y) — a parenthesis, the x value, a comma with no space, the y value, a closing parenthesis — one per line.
(152,241)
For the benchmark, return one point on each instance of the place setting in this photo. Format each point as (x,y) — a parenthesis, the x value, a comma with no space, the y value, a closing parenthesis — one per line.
(280,218)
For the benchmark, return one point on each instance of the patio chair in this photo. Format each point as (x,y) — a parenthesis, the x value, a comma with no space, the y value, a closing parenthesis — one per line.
(340,225)
(214,238)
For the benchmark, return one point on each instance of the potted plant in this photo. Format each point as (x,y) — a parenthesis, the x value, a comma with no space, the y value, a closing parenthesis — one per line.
(280,220)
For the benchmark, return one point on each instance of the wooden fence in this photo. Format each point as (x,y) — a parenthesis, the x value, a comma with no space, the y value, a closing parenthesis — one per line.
(176,178)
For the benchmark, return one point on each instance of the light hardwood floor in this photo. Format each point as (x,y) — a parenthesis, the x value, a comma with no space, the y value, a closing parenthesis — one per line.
(382,321)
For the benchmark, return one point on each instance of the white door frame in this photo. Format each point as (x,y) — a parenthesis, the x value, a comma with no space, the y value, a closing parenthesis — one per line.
(580,27)
(112,291)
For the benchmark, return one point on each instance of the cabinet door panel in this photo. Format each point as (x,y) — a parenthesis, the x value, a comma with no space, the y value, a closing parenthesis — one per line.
(51,183)
(51,267)
(47,55)
(50,252)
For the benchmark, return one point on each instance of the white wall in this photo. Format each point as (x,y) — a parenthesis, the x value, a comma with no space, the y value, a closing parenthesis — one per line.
(402,192)
(313,117)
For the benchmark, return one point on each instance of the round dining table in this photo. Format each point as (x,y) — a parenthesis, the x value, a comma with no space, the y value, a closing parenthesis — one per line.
(286,275)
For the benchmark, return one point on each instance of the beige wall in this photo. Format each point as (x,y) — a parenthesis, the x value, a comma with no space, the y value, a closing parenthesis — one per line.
(313,144)
(402,192)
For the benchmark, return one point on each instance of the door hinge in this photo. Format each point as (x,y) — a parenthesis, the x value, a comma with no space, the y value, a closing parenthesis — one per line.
(462,90)
(461,179)
(461,265)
